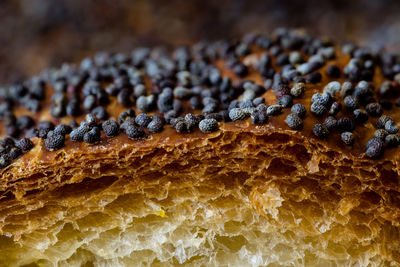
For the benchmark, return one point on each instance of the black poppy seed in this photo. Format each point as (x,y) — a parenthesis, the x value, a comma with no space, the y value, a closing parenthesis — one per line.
(181,126)
(233,104)
(333,71)
(347,138)
(360,116)
(32,104)
(92,136)
(73,124)
(281,89)
(126,123)
(195,102)
(24,144)
(259,116)
(4,161)
(31,133)
(314,77)
(139,90)
(50,133)
(129,113)
(318,109)
(240,69)
(246,104)
(320,131)
(100,113)
(258,100)
(191,121)
(165,101)
(381,122)
(386,89)
(78,133)
(142,119)
(73,108)
(330,123)
(286,101)
(274,110)
(325,99)
(261,108)
(24,122)
(350,103)
(141,103)
(249,95)
(91,119)
(54,142)
(335,108)
(89,102)
(374,109)
(7,141)
(380,133)
(57,111)
(112,90)
(299,79)
(346,89)
(237,114)
(156,125)
(298,89)
(374,148)
(268,83)
(392,140)
(182,92)
(210,108)
(110,128)
(299,109)
(345,124)
(208,125)
(14,152)
(42,133)
(391,127)
(62,129)
(295,57)
(48,125)
(170,115)
(294,121)
(282,59)
(305,68)
(124,97)
(59,98)
(332,87)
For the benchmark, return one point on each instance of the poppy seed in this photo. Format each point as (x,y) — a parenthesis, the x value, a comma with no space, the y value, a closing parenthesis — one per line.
(110,128)
(347,138)
(294,121)
(54,142)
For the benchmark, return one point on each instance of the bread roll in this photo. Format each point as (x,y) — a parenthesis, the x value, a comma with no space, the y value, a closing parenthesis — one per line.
(266,189)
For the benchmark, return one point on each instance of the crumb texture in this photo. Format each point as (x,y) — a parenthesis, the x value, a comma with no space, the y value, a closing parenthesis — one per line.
(234,199)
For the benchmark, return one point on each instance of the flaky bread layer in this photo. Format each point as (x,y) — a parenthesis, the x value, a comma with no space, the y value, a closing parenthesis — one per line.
(268,197)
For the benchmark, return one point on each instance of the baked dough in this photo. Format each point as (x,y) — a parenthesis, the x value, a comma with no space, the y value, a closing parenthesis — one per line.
(245,195)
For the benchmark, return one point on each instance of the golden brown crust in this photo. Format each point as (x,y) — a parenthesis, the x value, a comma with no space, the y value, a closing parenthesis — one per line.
(334,190)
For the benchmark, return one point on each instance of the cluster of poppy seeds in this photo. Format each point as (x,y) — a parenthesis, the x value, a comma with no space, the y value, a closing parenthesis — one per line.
(186,90)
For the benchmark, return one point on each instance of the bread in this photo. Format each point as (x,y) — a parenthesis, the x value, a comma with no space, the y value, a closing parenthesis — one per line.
(244,194)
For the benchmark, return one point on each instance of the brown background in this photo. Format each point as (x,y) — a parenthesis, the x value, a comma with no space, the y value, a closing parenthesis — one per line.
(35,34)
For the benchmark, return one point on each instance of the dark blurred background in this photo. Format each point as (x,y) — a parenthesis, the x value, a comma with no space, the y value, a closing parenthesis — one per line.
(35,34)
